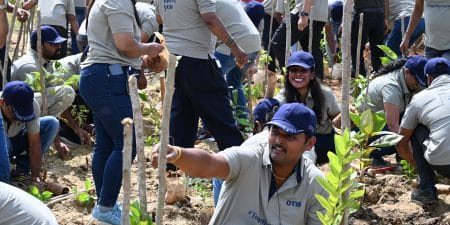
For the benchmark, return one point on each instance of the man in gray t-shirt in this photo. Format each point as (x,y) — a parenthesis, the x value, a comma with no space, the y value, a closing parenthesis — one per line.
(426,124)
(267,183)
(190,28)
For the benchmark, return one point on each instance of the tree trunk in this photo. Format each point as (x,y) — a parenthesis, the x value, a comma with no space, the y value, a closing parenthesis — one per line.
(138,132)
(126,169)
(165,138)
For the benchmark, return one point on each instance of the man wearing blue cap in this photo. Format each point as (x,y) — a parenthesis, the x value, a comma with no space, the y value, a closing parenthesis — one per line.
(59,96)
(426,124)
(391,91)
(28,136)
(268,183)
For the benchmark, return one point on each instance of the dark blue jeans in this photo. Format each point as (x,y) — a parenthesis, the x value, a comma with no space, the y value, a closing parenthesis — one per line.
(18,145)
(266,36)
(8,71)
(433,53)
(201,91)
(4,156)
(324,144)
(373,31)
(395,37)
(80,14)
(425,169)
(110,103)
(279,44)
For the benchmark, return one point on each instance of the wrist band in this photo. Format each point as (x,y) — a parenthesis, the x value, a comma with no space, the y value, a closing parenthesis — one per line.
(230,42)
(179,153)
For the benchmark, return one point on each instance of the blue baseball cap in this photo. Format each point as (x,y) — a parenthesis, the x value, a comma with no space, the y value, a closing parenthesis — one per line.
(437,66)
(302,59)
(255,10)
(295,118)
(264,108)
(20,97)
(416,65)
(49,35)
(336,11)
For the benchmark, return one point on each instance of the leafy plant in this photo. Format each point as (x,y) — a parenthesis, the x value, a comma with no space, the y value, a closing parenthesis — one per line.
(43,196)
(408,170)
(84,198)
(137,217)
(359,83)
(264,58)
(389,55)
(201,186)
(341,184)
(154,116)
(80,113)
(240,113)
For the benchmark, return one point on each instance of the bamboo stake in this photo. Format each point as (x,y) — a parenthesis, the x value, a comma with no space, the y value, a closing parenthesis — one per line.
(358,47)
(311,29)
(165,138)
(346,73)
(287,16)
(249,97)
(266,75)
(402,22)
(138,132)
(8,43)
(19,39)
(40,63)
(162,85)
(126,169)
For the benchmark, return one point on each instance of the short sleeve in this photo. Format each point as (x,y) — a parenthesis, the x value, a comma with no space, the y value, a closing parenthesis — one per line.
(20,72)
(238,159)
(206,6)
(279,6)
(71,7)
(148,21)
(33,126)
(332,103)
(120,16)
(410,119)
(392,94)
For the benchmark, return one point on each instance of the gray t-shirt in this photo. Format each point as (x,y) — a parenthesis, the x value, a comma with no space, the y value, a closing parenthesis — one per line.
(400,8)
(431,108)
(106,18)
(80,3)
(319,12)
(55,12)
(268,6)
(184,29)
(389,88)
(13,128)
(71,65)
(147,17)
(239,25)
(330,108)
(27,64)
(244,198)
(20,208)
(437,30)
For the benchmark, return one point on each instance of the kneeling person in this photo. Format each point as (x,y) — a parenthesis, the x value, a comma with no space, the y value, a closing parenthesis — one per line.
(262,181)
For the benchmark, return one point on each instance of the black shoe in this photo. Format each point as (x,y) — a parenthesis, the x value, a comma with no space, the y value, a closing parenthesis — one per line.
(426,197)
(380,162)
(20,180)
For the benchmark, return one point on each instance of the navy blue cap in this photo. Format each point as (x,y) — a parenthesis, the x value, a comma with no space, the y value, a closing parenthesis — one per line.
(263,109)
(416,64)
(255,10)
(20,97)
(336,11)
(437,66)
(302,59)
(295,118)
(49,35)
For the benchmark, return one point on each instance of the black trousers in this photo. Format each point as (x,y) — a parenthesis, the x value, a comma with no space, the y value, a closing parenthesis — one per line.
(266,37)
(279,43)
(8,71)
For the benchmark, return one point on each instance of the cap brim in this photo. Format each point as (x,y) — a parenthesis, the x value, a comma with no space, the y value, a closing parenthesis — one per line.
(304,65)
(287,127)
(58,40)
(24,114)
(420,81)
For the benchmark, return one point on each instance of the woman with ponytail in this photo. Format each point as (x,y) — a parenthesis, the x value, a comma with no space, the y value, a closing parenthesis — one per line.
(113,29)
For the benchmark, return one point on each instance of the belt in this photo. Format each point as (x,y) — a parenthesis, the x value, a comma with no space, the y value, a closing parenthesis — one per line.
(377,10)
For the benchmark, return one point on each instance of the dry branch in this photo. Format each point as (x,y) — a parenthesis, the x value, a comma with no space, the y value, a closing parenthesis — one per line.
(311,29)
(8,43)
(162,85)
(287,17)
(40,64)
(126,169)
(358,47)
(19,39)
(138,132)
(165,138)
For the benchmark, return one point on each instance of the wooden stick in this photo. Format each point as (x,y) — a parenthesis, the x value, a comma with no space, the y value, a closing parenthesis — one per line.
(138,132)
(165,138)
(311,29)
(58,199)
(358,47)
(287,17)
(346,74)
(40,63)
(19,39)
(402,22)
(162,85)
(126,169)
(266,73)
(249,97)
(8,43)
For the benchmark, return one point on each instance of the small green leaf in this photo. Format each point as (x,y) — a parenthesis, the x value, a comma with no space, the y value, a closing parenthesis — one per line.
(386,141)
(379,121)
(388,52)
(355,119)
(46,195)
(366,122)
(34,191)
(357,194)
(87,185)
(327,186)
(324,202)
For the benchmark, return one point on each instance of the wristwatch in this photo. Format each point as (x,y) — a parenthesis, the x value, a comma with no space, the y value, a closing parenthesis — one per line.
(303,13)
